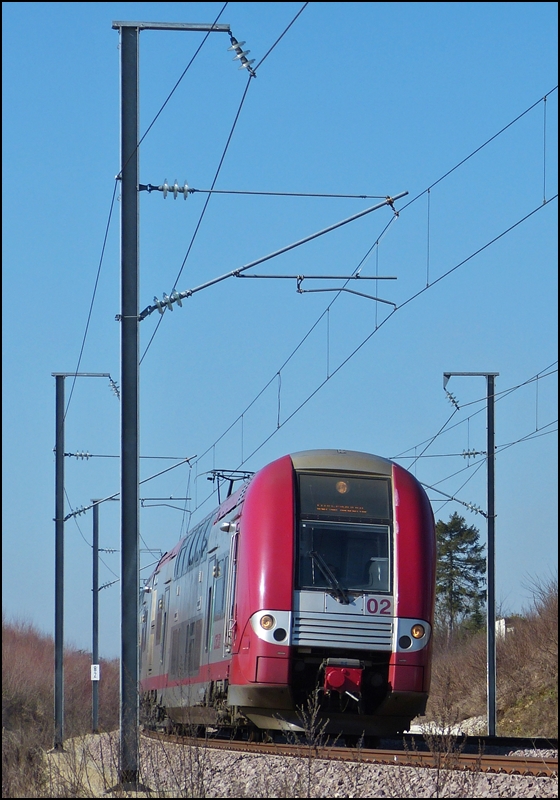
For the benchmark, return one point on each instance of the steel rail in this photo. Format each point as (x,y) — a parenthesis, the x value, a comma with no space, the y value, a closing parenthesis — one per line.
(453,760)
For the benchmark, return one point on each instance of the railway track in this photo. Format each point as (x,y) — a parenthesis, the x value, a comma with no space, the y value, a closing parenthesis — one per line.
(408,754)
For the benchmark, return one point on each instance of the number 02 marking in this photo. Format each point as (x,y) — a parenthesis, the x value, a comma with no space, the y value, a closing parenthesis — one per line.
(378,606)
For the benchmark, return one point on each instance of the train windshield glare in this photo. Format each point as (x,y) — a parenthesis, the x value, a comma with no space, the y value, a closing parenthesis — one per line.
(344,534)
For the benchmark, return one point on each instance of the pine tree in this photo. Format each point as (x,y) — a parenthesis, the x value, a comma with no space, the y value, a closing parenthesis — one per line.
(460,574)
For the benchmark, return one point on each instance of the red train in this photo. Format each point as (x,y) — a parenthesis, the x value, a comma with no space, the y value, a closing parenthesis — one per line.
(315,579)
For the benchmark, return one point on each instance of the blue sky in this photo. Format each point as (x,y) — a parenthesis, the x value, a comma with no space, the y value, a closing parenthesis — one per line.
(354,99)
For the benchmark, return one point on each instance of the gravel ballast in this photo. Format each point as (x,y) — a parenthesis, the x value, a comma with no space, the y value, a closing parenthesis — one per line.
(171,770)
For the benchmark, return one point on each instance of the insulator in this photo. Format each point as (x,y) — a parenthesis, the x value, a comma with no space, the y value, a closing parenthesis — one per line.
(235,44)
(241,54)
(165,188)
(185,190)
(247,63)
(158,304)
(176,297)
(167,301)
(452,399)
(176,189)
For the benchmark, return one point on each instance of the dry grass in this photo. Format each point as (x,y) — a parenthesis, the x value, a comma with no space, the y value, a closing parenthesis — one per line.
(28,704)
(526,672)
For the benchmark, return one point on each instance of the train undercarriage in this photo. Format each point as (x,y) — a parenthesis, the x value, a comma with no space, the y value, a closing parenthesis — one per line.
(349,696)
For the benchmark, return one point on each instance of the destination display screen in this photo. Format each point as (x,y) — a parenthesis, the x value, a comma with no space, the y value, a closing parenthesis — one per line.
(344,496)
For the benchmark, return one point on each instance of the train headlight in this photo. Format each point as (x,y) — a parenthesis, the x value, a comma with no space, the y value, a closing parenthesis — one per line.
(273,626)
(267,622)
(417,631)
(411,635)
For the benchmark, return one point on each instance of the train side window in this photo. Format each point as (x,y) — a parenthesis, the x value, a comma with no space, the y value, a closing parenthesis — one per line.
(179,562)
(203,538)
(199,543)
(219,588)
(195,547)
(192,547)
(207,530)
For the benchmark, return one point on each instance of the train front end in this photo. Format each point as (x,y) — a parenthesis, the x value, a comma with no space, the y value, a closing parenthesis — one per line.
(335,595)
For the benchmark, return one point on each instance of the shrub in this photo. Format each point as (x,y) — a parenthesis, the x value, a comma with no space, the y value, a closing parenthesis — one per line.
(526,671)
(28,703)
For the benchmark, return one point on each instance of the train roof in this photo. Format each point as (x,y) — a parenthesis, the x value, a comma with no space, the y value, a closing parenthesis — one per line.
(350,460)
(167,556)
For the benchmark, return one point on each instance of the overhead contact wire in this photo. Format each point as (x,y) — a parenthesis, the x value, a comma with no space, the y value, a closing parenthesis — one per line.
(387,318)
(202,213)
(281,36)
(217,171)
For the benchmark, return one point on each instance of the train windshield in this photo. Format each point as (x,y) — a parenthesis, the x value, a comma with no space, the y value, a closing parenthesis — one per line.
(344,534)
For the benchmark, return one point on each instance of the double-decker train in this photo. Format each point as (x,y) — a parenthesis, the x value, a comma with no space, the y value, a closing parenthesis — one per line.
(314,581)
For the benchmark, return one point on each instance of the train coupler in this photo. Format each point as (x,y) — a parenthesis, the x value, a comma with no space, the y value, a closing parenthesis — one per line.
(343,675)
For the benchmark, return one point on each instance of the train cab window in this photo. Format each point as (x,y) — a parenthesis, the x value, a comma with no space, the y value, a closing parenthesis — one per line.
(344,555)
(344,533)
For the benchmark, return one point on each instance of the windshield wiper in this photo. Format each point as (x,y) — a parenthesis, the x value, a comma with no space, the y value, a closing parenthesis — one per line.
(338,592)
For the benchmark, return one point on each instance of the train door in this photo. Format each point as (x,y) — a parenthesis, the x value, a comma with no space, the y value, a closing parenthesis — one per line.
(229,621)
(143,633)
(209,607)
(164,624)
(152,627)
